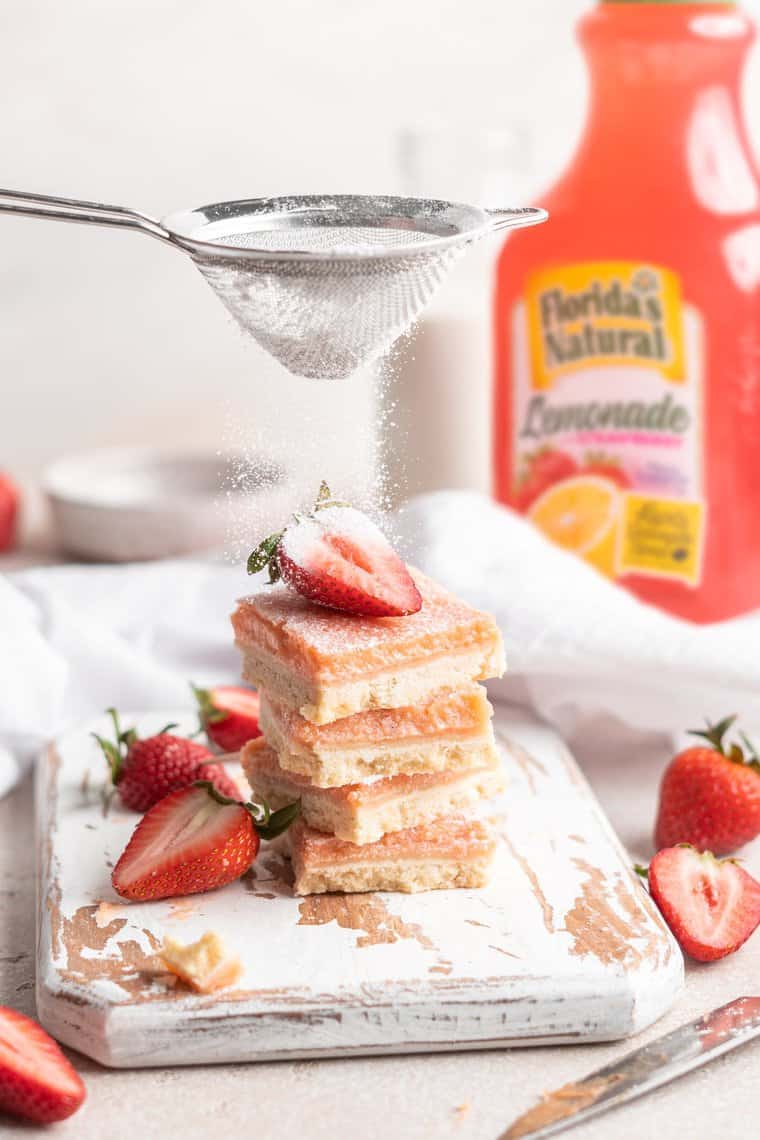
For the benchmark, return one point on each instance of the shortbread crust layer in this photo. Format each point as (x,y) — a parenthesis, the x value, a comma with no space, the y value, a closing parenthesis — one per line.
(329,665)
(453,731)
(451,852)
(363,813)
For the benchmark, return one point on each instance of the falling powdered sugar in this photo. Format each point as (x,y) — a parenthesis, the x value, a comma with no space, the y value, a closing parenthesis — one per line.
(327,285)
(332,432)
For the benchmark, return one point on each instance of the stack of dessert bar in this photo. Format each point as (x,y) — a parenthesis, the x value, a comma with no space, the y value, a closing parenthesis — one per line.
(378,726)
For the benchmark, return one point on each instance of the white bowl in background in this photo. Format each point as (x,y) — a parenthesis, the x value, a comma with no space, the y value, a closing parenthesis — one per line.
(130,504)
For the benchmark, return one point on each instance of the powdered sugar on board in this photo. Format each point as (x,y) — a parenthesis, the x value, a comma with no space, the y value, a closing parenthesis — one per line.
(563,945)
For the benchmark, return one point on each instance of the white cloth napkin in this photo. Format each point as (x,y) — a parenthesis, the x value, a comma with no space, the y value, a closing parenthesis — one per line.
(578,646)
(76,639)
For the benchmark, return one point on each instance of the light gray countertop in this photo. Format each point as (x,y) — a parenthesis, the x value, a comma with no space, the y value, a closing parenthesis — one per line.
(461,1096)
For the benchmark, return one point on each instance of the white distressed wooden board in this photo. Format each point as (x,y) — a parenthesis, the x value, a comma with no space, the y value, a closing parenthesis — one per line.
(563,945)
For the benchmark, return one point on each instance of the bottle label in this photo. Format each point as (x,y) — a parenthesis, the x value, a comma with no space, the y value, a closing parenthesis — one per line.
(608,364)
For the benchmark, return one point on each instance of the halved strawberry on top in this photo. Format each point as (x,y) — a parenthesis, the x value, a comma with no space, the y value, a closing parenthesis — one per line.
(336,556)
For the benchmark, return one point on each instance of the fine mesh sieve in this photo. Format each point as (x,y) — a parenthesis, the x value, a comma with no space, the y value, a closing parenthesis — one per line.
(323,283)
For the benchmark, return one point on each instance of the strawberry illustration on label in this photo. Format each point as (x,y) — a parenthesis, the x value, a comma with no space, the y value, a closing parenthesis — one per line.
(606,467)
(711,905)
(542,469)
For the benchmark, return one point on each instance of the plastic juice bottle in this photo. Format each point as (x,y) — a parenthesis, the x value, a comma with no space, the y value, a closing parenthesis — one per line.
(627,399)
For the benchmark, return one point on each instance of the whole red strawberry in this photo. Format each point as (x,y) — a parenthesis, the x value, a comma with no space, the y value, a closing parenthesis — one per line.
(229,715)
(710,794)
(146,770)
(194,840)
(542,470)
(711,905)
(337,557)
(36,1081)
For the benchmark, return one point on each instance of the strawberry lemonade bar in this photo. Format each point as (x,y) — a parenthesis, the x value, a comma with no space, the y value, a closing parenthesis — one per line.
(378,726)
(327,665)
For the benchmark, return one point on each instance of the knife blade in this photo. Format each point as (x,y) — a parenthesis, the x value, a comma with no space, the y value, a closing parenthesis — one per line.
(655,1064)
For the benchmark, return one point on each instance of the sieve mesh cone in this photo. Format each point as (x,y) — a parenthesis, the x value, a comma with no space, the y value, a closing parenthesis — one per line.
(326,285)
(326,319)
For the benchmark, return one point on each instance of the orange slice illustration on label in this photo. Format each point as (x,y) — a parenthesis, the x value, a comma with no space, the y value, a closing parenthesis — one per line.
(581,514)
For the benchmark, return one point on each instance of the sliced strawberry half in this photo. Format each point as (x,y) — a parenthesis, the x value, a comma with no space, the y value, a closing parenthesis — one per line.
(188,842)
(229,715)
(194,840)
(336,556)
(340,559)
(711,905)
(36,1081)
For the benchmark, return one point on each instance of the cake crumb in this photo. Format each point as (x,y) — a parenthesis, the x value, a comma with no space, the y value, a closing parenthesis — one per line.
(203,966)
(461,1110)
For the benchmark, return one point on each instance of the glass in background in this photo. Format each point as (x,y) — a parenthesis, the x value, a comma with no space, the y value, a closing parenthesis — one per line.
(437,415)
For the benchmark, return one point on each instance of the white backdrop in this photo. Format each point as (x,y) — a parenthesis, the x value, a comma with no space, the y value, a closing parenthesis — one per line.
(159,104)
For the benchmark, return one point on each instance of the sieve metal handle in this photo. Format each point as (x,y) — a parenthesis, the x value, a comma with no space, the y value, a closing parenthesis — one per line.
(519,216)
(74,210)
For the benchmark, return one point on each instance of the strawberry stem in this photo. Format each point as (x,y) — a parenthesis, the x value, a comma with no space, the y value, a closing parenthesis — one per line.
(207,710)
(116,752)
(269,824)
(707,856)
(751,750)
(215,794)
(265,554)
(280,821)
(714,733)
(116,726)
(325,498)
(641,870)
